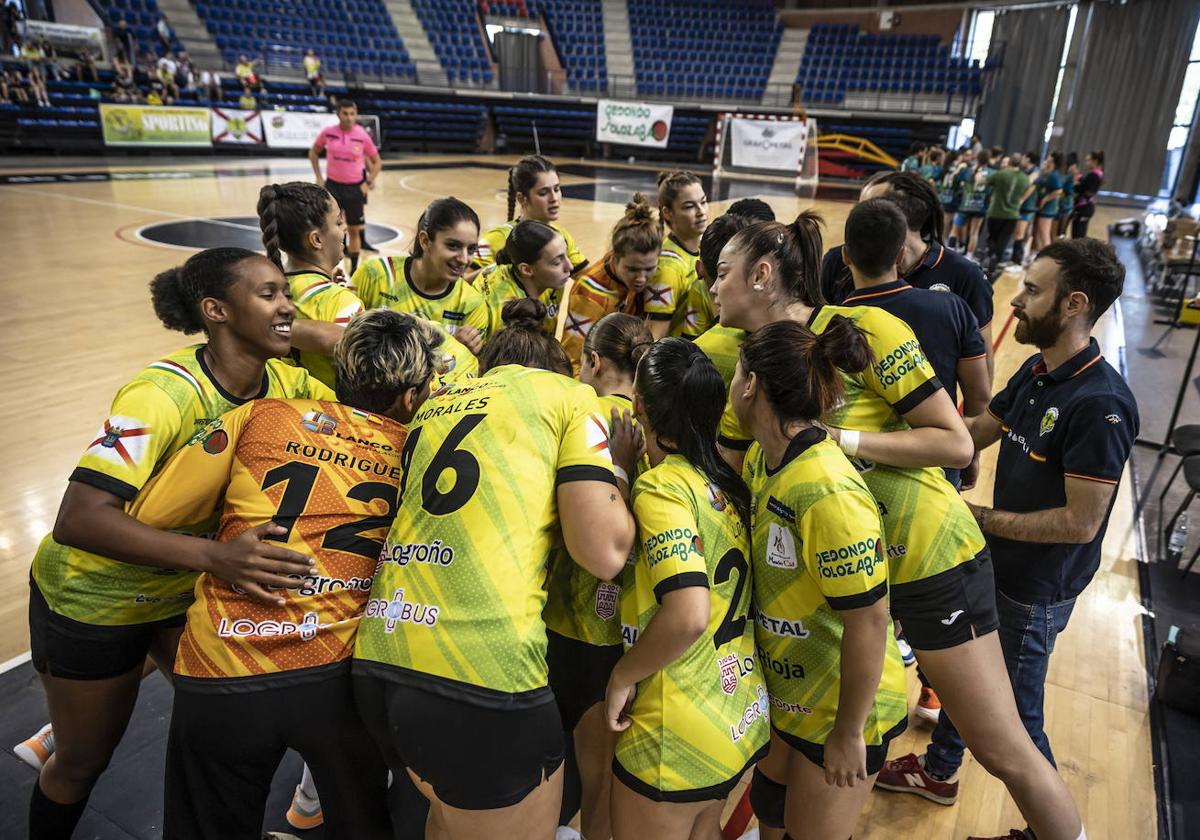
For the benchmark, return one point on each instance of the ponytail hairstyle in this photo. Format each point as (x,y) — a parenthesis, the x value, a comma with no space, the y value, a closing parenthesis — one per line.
(177,292)
(523,176)
(524,340)
(525,243)
(798,370)
(442,214)
(671,183)
(716,236)
(620,339)
(381,355)
(286,212)
(917,200)
(638,231)
(796,250)
(683,397)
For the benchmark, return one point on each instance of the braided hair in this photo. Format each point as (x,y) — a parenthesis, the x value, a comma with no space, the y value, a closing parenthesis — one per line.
(286,212)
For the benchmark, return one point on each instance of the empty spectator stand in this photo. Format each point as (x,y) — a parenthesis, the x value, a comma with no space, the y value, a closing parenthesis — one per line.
(577,28)
(412,122)
(351,37)
(710,49)
(140,16)
(454,29)
(840,60)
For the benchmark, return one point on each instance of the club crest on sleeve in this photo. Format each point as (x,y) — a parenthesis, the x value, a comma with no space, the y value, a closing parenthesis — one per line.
(319,422)
(606,600)
(1113,419)
(121,439)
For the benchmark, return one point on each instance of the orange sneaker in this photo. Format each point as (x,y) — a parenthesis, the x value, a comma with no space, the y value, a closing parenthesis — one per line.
(304,813)
(929,707)
(36,749)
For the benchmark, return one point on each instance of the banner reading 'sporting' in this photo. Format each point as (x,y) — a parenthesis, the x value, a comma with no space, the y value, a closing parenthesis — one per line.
(154,125)
(767,144)
(633,123)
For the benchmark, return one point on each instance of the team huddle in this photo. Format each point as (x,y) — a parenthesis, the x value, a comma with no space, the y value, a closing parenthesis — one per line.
(492,534)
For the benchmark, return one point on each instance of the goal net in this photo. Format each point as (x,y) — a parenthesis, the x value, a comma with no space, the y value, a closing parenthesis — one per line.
(768,145)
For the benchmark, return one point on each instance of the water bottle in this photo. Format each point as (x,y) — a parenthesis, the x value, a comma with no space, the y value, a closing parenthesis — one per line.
(1178,540)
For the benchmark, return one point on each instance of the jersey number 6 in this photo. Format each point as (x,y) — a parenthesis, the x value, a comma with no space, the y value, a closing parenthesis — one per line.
(448,457)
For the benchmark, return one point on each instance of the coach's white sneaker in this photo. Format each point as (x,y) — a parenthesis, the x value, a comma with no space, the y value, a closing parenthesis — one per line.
(36,749)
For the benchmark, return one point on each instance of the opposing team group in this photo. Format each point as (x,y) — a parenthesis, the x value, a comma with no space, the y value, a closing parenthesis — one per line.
(489,515)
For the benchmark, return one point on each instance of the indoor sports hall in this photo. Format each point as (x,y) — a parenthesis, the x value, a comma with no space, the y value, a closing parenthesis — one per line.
(1016,266)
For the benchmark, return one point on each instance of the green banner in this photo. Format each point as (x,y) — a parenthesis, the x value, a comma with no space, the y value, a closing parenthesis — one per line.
(155,125)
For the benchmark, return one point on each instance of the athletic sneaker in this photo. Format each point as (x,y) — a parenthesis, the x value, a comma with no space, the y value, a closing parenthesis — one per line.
(565,832)
(906,653)
(36,749)
(907,775)
(305,812)
(929,707)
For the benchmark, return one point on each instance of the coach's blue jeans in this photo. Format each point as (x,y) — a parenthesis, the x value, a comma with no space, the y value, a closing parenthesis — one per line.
(1027,634)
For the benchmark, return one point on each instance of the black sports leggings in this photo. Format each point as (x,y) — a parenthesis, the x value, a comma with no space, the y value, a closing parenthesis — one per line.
(223,751)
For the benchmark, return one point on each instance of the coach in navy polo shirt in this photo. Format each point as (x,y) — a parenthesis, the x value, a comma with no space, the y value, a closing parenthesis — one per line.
(1066,422)
(948,332)
(923,263)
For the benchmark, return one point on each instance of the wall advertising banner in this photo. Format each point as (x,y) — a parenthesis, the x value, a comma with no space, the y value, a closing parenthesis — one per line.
(154,125)
(229,125)
(633,123)
(768,144)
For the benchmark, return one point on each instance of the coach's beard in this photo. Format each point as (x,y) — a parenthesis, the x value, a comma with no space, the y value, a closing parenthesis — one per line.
(1041,333)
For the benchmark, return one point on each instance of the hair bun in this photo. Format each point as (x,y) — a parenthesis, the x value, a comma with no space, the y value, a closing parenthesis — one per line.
(524,314)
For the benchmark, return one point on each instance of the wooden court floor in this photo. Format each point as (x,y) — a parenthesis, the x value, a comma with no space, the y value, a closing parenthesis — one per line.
(77,324)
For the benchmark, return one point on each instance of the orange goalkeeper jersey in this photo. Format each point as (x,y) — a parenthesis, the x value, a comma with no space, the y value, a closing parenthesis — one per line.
(326,472)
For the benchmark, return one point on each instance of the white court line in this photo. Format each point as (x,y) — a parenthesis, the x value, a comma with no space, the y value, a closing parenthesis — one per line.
(17,661)
(399,233)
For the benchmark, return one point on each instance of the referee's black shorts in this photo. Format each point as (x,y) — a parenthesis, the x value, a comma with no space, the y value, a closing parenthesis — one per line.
(350,198)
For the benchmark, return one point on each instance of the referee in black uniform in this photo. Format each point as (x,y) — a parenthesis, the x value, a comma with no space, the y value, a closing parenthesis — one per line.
(1066,422)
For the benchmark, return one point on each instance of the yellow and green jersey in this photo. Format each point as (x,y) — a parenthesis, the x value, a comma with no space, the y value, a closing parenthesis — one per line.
(723,346)
(818,550)
(668,295)
(492,241)
(700,721)
(499,285)
(699,314)
(459,590)
(317,297)
(151,418)
(387,281)
(579,605)
(929,527)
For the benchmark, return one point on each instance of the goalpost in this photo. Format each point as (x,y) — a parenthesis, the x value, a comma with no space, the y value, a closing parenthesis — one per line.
(768,144)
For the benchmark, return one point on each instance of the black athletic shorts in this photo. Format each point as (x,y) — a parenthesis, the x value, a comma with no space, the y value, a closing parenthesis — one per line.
(876,755)
(350,198)
(578,674)
(950,608)
(474,758)
(73,650)
(224,747)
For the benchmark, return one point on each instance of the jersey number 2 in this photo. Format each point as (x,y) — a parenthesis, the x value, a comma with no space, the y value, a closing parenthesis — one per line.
(348,537)
(448,457)
(732,625)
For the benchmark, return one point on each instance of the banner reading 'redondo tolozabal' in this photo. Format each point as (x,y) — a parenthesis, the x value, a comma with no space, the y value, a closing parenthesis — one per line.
(154,125)
(633,123)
